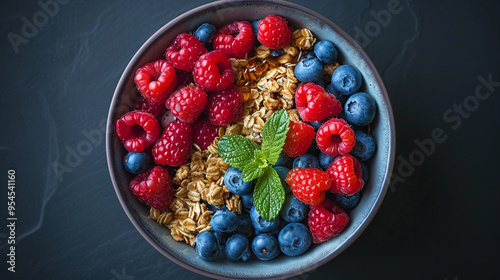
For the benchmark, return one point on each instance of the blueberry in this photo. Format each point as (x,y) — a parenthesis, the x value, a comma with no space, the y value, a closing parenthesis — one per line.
(245,226)
(293,210)
(283,159)
(224,221)
(206,245)
(340,97)
(331,90)
(294,239)
(313,149)
(136,163)
(326,52)
(214,208)
(365,146)
(167,119)
(261,224)
(234,182)
(365,128)
(282,172)
(365,171)
(325,160)
(347,202)
(247,200)
(274,232)
(237,247)
(310,55)
(306,161)
(221,238)
(316,124)
(321,83)
(346,79)
(309,70)
(255,27)
(265,246)
(205,33)
(276,53)
(360,109)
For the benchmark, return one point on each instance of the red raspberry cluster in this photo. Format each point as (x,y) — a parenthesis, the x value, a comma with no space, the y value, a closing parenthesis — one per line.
(189,94)
(335,138)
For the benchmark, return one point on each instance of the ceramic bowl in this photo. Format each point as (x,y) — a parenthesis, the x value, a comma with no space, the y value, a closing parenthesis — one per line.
(383,130)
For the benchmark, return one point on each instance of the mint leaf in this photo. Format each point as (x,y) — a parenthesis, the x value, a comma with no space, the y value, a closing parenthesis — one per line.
(269,194)
(256,167)
(255,145)
(274,135)
(236,150)
(261,158)
(252,171)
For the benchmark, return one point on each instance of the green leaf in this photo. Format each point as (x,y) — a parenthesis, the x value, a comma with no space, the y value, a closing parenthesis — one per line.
(274,135)
(255,145)
(260,158)
(236,150)
(252,171)
(269,194)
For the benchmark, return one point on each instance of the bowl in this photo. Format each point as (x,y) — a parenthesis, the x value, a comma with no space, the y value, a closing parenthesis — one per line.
(383,130)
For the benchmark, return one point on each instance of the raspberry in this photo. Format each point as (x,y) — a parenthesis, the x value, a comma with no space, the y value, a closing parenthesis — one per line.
(335,137)
(346,175)
(308,184)
(298,139)
(187,103)
(315,104)
(153,187)
(225,107)
(156,80)
(213,71)
(274,32)
(138,130)
(174,145)
(154,108)
(236,39)
(185,51)
(326,220)
(204,133)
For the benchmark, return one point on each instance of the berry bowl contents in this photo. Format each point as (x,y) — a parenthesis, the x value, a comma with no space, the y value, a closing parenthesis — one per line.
(250,139)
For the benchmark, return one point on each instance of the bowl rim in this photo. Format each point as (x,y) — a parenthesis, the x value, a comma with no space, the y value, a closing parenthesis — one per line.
(137,56)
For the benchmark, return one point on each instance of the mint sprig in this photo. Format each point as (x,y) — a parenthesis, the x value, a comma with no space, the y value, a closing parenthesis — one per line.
(256,162)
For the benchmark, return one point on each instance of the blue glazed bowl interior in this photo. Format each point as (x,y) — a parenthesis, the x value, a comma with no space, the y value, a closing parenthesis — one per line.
(219,13)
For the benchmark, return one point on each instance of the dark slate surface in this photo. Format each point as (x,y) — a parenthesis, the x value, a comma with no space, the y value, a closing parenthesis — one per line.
(439,219)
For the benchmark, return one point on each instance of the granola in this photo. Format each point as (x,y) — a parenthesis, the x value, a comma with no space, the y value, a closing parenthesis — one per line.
(268,84)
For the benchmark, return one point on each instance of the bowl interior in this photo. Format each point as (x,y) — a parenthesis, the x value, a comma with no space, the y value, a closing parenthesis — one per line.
(219,13)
